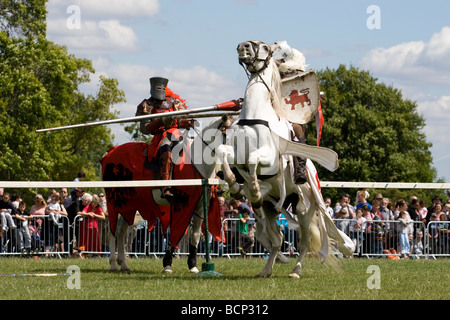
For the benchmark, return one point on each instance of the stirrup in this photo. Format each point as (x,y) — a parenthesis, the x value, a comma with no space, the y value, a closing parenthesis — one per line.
(167,193)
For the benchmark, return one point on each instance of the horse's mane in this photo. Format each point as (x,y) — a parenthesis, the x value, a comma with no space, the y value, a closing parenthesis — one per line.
(275,90)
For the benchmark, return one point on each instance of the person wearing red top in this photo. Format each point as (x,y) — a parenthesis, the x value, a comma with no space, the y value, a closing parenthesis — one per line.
(165,130)
(89,239)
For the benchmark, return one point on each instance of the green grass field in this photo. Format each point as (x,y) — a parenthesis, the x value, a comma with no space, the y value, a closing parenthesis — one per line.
(398,280)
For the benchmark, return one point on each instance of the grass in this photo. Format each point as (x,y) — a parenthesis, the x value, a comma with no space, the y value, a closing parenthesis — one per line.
(399,280)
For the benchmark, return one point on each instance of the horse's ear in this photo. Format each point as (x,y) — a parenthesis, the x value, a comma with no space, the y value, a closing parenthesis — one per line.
(264,51)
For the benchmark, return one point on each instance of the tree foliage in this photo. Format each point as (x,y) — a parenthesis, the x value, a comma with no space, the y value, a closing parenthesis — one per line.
(377,134)
(39,88)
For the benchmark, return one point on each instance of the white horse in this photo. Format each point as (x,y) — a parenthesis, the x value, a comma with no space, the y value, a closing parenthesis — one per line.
(202,145)
(261,151)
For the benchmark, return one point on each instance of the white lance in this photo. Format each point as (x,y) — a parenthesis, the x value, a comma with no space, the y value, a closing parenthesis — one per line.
(226,106)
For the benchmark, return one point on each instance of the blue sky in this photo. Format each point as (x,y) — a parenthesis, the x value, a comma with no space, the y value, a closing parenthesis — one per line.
(193,43)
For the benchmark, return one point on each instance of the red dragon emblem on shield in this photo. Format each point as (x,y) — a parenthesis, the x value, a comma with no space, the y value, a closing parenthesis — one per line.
(295,98)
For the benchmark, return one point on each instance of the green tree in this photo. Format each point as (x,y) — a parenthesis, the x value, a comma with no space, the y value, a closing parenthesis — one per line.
(39,88)
(377,134)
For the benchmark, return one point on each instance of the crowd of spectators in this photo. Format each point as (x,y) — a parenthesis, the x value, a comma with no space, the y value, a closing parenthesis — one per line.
(45,227)
(384,226)
(380,226)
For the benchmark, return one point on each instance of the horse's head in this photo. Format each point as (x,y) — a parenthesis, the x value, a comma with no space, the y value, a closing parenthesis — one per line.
(254,54)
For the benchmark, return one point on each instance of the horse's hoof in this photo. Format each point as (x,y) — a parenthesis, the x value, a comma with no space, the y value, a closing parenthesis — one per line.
(263,275)
(193,270)
(294,276)
(167,270)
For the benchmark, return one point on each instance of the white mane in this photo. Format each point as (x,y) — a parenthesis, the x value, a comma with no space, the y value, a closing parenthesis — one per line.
(275,92)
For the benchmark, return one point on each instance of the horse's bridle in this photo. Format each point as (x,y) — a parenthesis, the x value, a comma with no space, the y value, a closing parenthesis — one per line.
(256,58)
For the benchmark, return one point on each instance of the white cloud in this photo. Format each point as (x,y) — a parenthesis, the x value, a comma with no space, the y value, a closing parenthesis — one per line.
(414,62)
(436,110)
(199,86)
(87,27)
(421,69)
(105,9)
(103,37)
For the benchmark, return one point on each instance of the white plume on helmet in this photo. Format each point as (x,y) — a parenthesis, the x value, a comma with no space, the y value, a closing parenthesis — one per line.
(290,59)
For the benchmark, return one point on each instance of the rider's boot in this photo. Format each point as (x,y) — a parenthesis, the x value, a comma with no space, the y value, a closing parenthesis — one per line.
(299,170)
(164,173)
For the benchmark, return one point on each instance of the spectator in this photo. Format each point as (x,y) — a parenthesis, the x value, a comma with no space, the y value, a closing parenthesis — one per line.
(104,224)
(405,221)
(54,209)
(422,211)
(433,234)
(438,211)
(15,200)
(66,199)
(378,199)
(362,196)
(222,209)
(368,215)
(417,248)
(387,215)
(413,209)
(238,207)
(80,177)
(329,211)
(435,201)
(443,230)
(50,195)
(446,209)
(38,209)
(89,239)
(345,204)
(23,216)
(6,212)
(358,230)
(377,234)
(242,227)
(342,223)
(57,229)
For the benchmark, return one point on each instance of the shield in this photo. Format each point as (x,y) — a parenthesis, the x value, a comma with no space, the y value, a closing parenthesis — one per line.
(301,96)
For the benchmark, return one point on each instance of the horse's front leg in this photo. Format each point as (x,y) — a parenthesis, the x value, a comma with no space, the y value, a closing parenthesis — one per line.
(195,239)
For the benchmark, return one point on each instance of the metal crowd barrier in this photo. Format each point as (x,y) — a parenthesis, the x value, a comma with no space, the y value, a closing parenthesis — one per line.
(85,238)
(38,236)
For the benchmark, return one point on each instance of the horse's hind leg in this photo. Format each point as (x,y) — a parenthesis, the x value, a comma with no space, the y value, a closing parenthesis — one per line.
(121,234)
(304,237)
(271,239)
(112,256)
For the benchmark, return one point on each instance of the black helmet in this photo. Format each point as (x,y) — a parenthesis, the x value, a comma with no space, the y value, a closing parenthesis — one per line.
(158,87)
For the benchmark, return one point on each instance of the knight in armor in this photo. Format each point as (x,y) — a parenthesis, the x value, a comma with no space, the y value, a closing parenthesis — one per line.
(291,61)
(165,130)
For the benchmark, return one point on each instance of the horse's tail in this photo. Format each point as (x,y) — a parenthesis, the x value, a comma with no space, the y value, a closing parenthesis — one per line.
(320,241)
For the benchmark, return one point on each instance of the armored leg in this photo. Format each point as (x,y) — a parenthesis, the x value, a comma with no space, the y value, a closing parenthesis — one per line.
(165,162)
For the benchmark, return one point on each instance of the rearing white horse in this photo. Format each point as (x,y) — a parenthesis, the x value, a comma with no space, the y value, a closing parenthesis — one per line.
(261,150)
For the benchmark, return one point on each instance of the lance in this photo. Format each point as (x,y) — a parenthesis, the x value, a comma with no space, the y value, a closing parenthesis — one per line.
(234,105)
